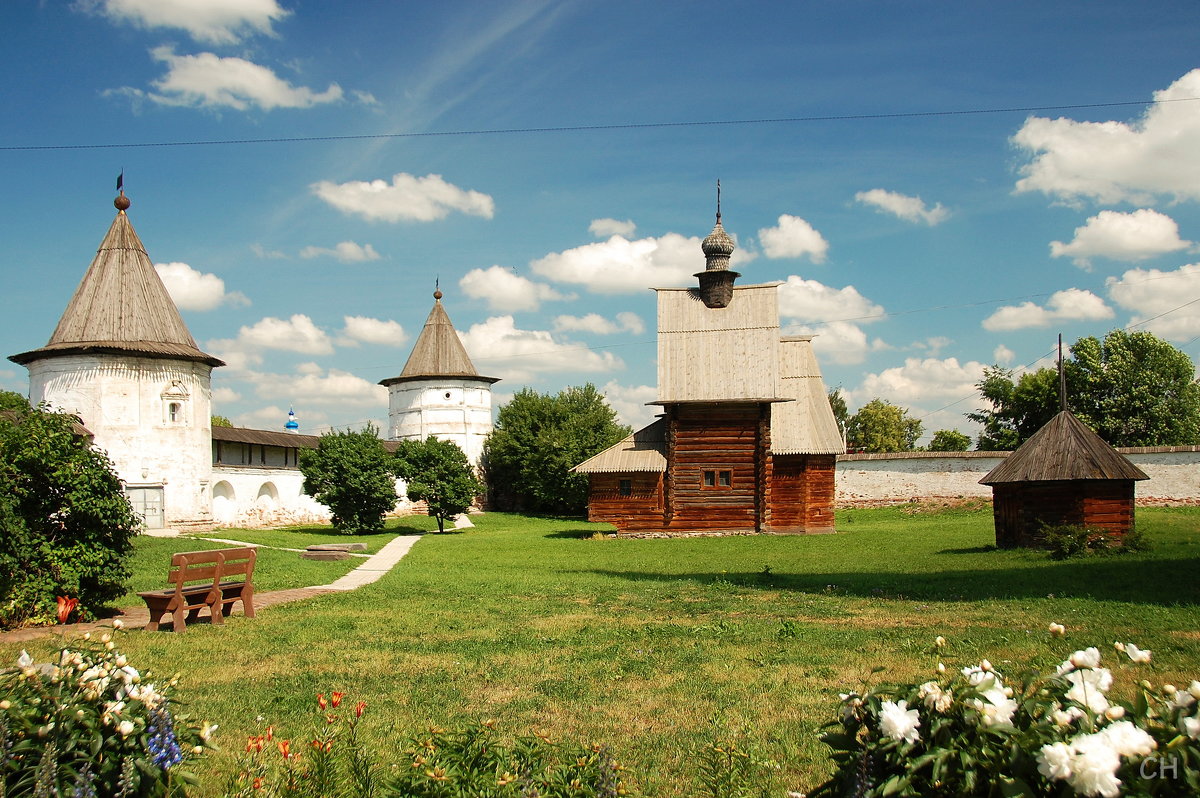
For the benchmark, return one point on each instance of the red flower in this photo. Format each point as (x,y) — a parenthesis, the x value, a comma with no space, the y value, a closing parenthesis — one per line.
(335,699)
(358,709)
(65,607)
(321,702)
(258,783)
(285,748)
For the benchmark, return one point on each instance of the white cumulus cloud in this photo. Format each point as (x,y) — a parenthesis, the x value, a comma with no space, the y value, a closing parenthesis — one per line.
(345,251)
(195,290)
(1159,300)
(629,402)
(622,266)
(603,228)
(1002,355)
(372,331)
(506,291)
(1072,304)
(209,21)
(207,80)
(1132,236)
(803,300)
(499,347)
(922,380)
(297,334)
(1109,162)
(793,237)
(406,198)
(316,385)
(225,394)
(595,323)
(910,209)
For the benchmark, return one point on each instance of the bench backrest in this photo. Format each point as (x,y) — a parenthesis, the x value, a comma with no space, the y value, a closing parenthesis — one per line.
(238,563)
(195,566)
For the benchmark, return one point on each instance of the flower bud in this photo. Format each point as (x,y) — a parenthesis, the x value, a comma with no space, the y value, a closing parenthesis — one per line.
(1114,712)
(5,704)
(941,668)
(939,641)
(1057,630)
(985,666)
(1169,689)
(118,623)
(105,638)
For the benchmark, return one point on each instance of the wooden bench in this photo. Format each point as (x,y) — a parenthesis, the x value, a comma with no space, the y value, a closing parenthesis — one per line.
(200,580)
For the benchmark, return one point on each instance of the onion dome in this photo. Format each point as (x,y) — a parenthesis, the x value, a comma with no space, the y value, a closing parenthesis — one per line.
(292,425)
(717,247)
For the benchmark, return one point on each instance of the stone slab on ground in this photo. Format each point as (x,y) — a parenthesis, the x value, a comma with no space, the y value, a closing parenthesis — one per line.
(338,547)
(325,554)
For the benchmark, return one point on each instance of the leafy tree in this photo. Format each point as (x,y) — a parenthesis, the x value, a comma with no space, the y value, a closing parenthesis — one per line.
(538,438)
(949,440)
(837,403)
(438,473)
(1020,408)
(1133,389)
(221,421)
(351,474)
(66,526)
(881,426)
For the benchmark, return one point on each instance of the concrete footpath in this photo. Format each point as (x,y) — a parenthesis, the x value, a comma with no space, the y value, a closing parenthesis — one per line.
(374,567)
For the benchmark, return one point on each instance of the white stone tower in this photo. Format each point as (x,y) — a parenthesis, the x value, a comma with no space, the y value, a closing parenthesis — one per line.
(439,392)
(123,361)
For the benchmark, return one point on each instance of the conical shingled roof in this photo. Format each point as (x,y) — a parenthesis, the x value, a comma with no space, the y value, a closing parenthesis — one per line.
(1065,449)
(121,307)
(438,351)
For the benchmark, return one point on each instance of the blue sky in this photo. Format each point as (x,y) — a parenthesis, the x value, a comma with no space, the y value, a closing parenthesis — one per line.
(919,246)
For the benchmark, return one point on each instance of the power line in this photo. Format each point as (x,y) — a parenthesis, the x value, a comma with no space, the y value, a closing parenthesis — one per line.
(593,128)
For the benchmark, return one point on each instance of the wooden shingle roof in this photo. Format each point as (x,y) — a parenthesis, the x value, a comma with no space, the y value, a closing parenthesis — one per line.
(438,351)
(121,307)
(805,425)
(644,450)
(1065,449)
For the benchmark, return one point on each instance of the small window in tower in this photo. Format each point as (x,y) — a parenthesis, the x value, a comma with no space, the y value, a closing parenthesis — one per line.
(625,487)
(173,412)
(447,394)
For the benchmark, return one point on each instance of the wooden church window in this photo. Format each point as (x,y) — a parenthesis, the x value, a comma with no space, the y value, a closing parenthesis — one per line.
(625,487)
(718,479)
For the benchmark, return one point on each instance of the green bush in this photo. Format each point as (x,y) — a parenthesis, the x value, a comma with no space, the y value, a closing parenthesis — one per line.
(66,526)
(351,474)
(1073,540)
(91,725)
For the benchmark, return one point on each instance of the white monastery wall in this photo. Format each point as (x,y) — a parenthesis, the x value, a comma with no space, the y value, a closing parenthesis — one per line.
(249,497)
(864,479)
(152,416)
(449,409)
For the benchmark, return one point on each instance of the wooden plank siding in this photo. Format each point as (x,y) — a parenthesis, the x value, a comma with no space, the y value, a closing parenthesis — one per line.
(1021,509)
(640,511)
(802,493)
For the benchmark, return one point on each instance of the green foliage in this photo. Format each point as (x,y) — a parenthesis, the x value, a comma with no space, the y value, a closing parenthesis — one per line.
(1133,389)
(90,724)
(469,760)
(351,474)
(949,440)
(221,421)
(1064,541)
(971,733)
(881,426)
(66,523)
(438,473)
(837,403)
(538,438)
(730,765)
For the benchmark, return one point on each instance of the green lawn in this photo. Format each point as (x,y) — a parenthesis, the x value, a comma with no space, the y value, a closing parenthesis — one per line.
(650,645)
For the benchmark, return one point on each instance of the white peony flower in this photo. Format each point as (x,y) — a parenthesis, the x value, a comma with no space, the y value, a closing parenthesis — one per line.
(1127,739)
(1065,717)
(1054,761)
(1194,689)
(1088,658)
(1094,767)
(999,711)
(1088,687)
(125,727)
(935,698)
(1137,654)
(899,722)
(1057,630)
(24,660)
(1192,727)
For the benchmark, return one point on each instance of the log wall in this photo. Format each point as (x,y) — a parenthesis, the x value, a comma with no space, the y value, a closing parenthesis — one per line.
(717,437)
(1020,509)
(641,510)
(802,493)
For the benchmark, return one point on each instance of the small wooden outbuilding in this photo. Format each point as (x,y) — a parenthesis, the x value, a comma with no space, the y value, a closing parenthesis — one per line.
(1064,474)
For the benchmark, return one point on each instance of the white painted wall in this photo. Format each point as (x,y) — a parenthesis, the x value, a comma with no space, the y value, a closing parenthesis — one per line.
(448,408)
(868,479)
(247,497)
(126,402)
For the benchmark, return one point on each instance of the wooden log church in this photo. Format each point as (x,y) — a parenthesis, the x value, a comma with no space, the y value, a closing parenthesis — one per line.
(746,441)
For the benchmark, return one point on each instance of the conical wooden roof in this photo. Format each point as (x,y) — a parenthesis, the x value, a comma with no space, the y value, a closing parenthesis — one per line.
(1064,449)
(121,307)
(438,351)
